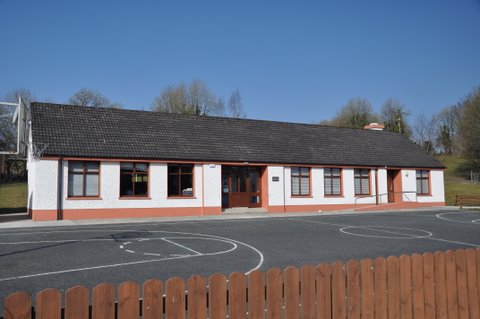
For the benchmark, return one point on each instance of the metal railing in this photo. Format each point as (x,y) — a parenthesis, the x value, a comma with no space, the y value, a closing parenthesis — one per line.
(386,194)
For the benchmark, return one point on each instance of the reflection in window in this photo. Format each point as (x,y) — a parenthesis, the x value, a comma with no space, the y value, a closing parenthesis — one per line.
(133,179)
(83,179)
(180,180)
(362,181)
(423,182)
(332,181)
(300,181)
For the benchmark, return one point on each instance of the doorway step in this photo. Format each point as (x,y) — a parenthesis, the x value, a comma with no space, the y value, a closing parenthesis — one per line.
(243,210)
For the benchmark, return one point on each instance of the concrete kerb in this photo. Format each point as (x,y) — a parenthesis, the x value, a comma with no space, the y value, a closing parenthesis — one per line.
(59,223)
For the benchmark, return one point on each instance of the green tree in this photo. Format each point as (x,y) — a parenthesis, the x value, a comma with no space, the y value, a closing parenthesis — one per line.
(395,117)
(356,113)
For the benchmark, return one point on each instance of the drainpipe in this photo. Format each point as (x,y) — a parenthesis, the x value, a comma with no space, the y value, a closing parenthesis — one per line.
(59,188)
(284,205)
(203,189)
(376,186)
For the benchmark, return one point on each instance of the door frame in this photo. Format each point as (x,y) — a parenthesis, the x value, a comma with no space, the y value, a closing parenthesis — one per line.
(394,179)
(248,193)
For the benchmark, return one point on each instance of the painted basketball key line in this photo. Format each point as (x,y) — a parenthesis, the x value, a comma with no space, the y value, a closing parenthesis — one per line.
(234,243)
(472,221)
(375,228)
(172,241)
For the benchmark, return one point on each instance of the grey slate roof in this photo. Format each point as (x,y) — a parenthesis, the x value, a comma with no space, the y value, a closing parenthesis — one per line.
(127,134)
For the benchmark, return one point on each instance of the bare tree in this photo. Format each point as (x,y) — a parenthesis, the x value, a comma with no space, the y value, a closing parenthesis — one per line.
(91,98)
(196,98)
(356,113)
(470,128)
(424,133)
(394,117)
(235,105)
(447,128)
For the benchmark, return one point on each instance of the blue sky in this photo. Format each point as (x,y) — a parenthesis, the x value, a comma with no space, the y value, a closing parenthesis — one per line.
(291,60)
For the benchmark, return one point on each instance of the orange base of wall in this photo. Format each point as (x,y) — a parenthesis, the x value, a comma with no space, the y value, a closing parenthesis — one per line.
(360,207)
(74,214)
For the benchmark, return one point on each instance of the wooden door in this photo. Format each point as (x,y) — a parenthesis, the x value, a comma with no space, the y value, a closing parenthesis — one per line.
(391,186)
(243,188)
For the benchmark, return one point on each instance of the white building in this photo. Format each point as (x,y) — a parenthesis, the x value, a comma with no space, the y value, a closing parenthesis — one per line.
(110,163)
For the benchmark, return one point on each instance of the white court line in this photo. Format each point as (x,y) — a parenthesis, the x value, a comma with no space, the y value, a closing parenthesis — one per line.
(317,222)
(181,246)
(375,228)
(441,216)
(366,227)
(225,239)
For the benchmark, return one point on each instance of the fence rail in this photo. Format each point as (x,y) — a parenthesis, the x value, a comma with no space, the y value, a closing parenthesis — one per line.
(438,285)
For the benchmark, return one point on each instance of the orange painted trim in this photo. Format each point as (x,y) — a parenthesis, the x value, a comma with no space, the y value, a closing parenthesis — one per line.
(212,211)
(181,197)
(302,196)
(44,215)
(312,208)
(75,214)
(264,188)
(84,198)
(397,187)
(402,205)
(232,163)
(358,207)
(135,198)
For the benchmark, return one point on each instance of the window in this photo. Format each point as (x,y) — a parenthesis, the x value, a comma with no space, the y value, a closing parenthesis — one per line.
(362,181)
(180,180)
(332,181)
(83,179)
(300,181)
(423,183)
(133,179)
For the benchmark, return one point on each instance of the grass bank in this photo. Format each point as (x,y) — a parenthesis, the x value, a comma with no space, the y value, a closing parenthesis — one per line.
(457,178)
(13,198)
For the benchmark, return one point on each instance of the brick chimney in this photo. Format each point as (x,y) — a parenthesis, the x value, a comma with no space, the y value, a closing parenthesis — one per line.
(374,127)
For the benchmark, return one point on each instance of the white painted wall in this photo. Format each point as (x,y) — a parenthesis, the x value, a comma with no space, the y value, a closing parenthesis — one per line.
(213,185)
(110,190)
(317,197)
(42,185)
(382,186)
(409,185)
(43,194)
(436,187)
(276,189)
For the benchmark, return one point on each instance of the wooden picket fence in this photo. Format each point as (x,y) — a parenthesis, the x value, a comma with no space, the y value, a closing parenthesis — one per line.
(439,285)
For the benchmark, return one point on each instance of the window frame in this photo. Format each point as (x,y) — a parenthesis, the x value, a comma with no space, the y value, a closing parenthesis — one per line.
(422,178)
(332,177)
(134,171)
(84,174)
(180,174)
(362,177)
(299,177)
